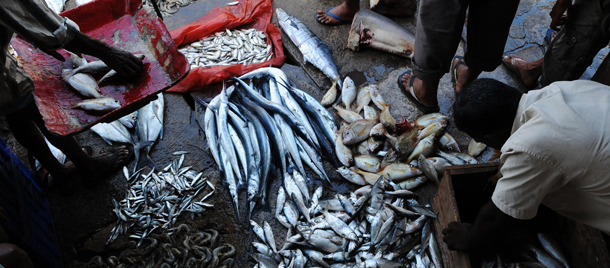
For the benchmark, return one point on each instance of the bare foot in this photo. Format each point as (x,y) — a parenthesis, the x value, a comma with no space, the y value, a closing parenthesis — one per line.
(107,162)
(464,73)
(394,8)
(343,11)
(428,100)
(529,71)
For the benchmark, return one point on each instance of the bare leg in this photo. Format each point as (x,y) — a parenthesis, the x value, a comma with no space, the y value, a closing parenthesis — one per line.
(345,10)
(425,91)
(465,75)
(530,71)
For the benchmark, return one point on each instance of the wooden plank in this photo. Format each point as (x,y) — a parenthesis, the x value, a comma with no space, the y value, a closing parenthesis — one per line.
(445,205)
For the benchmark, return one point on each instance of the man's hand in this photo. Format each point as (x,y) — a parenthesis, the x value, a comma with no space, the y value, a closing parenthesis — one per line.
(123,62)
(557,13)
(455,236)
(3,217)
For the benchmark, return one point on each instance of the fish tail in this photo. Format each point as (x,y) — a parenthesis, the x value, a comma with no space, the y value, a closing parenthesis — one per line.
(147,161)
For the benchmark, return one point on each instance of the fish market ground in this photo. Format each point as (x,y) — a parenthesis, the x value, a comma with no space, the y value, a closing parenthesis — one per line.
(83,221)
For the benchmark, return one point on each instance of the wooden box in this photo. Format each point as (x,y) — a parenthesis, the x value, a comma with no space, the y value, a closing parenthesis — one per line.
(465,189)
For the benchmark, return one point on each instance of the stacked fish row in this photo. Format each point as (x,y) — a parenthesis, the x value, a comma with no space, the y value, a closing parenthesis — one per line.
(551,255)
(156,200)
(80,78)
(228,47)
(378,226)
(378,146)
(248,124)
(185,248)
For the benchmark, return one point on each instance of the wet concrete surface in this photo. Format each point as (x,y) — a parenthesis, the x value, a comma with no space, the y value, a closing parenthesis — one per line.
(83,220)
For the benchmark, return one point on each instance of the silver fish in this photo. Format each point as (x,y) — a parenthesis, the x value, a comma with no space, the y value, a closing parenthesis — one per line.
(370,112)
(552,247)
(346,115)
(428,119)
(358,131)
(399,172)
(427,167)
(351,176)
(129,120)
(363,98)
(377,98)
(149,127)
(113,131)
(313,50)
(105,104)
(425,147)
(83,83)
(92,67)
(348,93)
(331,95)
(368,163)
(343,152)
(448,143)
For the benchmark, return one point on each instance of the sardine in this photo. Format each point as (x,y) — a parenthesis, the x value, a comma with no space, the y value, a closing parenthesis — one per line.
(358,131)
(105,104)
(83,83)
(346,115)
(368,163)
(475,148)
(348,93)
(399,172)
(448,143)
(331,95)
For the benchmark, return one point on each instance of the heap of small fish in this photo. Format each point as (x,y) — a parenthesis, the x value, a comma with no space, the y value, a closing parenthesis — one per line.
(378,226)
(185,248)
(248,124)
(551,256)
(228,47)
(375,145)
(168,7)
(313,49)
(155,200)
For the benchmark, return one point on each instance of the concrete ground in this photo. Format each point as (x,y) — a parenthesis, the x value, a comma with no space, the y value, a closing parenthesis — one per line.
(83,221)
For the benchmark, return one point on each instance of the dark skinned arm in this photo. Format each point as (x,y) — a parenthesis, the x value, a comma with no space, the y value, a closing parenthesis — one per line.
(3,218)
(123,62)
(490,224)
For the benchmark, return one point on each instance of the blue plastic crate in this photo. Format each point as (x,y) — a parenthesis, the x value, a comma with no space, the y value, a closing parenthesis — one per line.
(30,226)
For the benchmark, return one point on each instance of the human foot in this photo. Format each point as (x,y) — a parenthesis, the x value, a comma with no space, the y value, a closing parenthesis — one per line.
(414,89)
(340,14)
(529,72)
(461,73)
(105,163)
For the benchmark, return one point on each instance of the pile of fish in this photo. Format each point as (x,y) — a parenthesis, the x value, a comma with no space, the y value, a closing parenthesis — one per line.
(228,47)
(168,7)
(80,78)
(185,248)
(148,122)
(374,144)
(155,200)
(378,226)
(313,49)
(551,256)
(251,125)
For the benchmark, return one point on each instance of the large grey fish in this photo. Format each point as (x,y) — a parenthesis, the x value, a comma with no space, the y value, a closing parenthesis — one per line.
(231,182)
(313,50)
(149,127)
(113,131)
(553,248)
(129,120)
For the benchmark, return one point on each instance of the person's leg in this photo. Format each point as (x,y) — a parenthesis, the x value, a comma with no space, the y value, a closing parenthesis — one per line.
(345,10)
(529,71)
(11,256)
(488,26)
(438,31)
(579,40)
(395,8)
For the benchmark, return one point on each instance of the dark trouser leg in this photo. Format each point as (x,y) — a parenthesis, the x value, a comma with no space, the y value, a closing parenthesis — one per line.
(439,26)
(488,26)
(575,46)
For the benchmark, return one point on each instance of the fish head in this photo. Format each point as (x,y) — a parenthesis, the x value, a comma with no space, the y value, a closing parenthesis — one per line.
(113,103)
(348,136)
(348,83)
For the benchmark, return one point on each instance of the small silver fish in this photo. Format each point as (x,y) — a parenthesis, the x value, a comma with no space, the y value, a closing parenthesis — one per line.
(348,92)
(105,104)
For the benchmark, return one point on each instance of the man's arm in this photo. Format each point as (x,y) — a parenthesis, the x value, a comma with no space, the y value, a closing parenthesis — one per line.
(490,224)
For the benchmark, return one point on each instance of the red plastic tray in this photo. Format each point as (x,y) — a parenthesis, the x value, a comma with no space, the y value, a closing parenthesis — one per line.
(122,24)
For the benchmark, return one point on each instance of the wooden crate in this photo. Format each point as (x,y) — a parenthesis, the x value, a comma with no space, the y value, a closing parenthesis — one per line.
(471,185)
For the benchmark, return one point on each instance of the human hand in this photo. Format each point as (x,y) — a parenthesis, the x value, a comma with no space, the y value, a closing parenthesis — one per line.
(123,62)
(557,13)
(454,235)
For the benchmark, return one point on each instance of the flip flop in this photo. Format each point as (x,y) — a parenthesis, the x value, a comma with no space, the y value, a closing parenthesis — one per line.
(341,21)
(549,34)
(515,71)
(455,67)
(411,95)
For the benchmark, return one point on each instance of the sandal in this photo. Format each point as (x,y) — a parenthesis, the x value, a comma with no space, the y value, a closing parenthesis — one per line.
(454,68)
(341,21)
(411,95)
